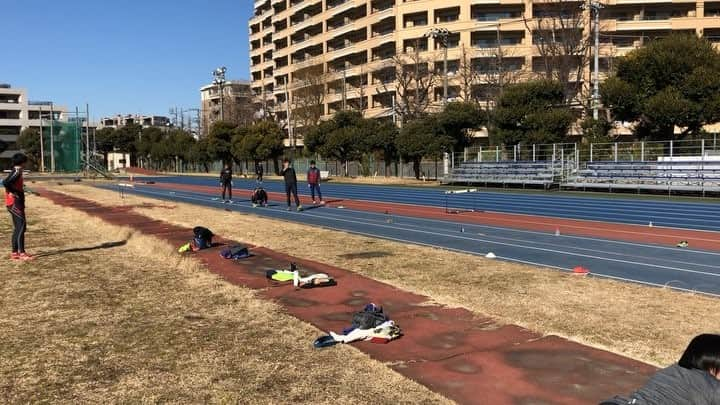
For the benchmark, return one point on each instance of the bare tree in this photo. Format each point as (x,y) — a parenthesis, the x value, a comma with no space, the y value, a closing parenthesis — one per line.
(308,96)
(467,74)
(564,46)
(413,80)
(490,69)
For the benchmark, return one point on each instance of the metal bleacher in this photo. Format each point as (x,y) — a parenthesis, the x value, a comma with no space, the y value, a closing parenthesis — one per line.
(690,175)
(545,174)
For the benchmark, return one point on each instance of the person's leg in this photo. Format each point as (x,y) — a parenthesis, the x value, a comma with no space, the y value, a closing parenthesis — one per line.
(312,192)
(16,231)
(229,191)
(319,192)
(224,187)
(18,235)
(21,236)
(288,189)
(295,193)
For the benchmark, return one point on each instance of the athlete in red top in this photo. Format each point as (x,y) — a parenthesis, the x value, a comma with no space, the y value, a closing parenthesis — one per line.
(15,203)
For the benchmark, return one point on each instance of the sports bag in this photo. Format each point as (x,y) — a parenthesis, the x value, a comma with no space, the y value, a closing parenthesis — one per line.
(369,317)
(236,252)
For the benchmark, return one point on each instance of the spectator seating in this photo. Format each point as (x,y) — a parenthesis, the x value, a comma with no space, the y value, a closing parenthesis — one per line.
(662,175)
(506,173)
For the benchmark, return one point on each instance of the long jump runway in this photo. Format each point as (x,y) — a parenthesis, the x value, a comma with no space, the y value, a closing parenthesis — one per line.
(663,266)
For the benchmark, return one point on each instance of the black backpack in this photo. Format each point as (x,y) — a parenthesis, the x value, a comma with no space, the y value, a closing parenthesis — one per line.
(372,316)
(202,237)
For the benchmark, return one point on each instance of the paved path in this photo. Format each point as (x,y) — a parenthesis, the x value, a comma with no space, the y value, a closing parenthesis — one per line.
(461,355)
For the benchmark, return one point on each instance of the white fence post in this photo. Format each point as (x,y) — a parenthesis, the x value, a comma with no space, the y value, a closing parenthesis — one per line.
(577,158)
(497,153)
(591,152)
(671,148)
(642,151)
(615,151)
(554,151)
(702,147)
(515,148)
(452,161)
(534,153)
(480,155)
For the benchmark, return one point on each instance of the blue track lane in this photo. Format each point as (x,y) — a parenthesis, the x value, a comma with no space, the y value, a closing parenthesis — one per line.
(684,269)
(674,214)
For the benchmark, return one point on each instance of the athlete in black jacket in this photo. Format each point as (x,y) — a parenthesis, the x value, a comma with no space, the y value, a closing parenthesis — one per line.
(226,183)
(290,177)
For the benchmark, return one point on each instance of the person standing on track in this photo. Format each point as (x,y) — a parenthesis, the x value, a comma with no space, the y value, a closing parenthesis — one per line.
(290,177)
(313,179)
(15,203)
(226,183)
(259,172)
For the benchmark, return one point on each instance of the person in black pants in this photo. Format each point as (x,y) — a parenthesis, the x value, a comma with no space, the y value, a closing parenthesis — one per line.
(15,203)
(259,171)
(290,177)
(226,183)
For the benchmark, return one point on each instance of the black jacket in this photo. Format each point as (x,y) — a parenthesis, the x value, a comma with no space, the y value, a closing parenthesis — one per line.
(289,176)
(226,176)
(679,385)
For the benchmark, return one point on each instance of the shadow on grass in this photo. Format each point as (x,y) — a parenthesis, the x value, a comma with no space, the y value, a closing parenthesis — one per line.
(107,245)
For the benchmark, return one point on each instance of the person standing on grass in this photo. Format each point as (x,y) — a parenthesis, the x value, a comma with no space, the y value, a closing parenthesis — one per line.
(259,171)
(290,177)
(15,203)
(226,183)
(313,179)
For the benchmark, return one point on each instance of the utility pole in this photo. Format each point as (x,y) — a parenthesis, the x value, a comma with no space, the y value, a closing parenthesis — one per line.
(87,138)
(52,139)
(595,8)
(291,135)
(499,59)
(344,88)
(42,147)
(219,80)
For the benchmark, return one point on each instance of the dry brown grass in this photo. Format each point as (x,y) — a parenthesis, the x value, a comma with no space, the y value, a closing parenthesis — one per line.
(139,324)
(649,324)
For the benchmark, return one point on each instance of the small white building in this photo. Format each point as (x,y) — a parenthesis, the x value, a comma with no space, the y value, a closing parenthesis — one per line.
(116,160)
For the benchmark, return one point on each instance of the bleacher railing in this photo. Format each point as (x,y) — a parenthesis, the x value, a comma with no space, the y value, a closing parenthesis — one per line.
(667,163)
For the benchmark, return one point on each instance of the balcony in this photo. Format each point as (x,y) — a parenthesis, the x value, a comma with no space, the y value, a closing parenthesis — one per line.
(339,8)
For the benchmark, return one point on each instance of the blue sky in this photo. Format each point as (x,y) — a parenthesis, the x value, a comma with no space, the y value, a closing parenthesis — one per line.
(122,56)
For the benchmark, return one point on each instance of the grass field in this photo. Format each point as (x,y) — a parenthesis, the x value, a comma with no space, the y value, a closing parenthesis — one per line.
(649,324)
(106,315)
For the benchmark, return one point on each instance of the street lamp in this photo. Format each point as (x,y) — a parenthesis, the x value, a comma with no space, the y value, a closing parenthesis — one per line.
(441,35)
(219,80)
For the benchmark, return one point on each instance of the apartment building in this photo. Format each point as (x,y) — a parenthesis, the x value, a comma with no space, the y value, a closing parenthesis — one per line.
(234,103)
(17,114)
(145,121)
(353,43)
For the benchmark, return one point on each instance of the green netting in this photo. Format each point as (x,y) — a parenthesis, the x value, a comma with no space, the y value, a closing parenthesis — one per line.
(66,139)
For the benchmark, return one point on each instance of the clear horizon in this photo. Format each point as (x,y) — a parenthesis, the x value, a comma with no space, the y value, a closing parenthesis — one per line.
(141,58)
